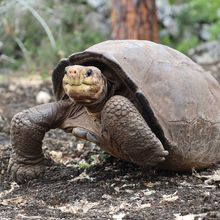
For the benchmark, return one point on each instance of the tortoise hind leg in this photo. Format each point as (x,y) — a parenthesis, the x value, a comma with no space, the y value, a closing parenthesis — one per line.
(130,133)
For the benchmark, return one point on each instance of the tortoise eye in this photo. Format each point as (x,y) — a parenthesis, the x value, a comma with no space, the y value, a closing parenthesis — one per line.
(88,73)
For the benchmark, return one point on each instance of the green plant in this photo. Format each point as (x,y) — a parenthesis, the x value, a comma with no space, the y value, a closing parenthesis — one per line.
(195,13)
(84,165)
(37,34)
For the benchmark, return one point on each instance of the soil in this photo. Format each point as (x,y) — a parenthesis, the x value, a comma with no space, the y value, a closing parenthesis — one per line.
(86,183)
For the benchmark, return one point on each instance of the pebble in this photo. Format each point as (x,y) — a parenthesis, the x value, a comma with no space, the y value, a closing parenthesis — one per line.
(43,97)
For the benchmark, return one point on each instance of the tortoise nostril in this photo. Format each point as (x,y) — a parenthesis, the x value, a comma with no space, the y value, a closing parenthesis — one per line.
(72,72)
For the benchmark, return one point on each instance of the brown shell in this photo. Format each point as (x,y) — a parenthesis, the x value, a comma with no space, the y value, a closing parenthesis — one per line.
(178,100)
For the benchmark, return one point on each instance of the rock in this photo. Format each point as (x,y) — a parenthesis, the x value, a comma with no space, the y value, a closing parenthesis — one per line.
(174,27)
(12,87)
(43,97)
(96,3)
(179,9)
(167,17)
(97,21)
(204,32)
(163,9)
(171,25)
(99,17)
(208,56)
(206,53)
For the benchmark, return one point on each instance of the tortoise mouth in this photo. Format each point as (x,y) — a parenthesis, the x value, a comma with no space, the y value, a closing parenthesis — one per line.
(76,81)
(71,83)
(82,92)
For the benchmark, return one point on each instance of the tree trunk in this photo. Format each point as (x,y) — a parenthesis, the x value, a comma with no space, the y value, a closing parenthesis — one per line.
(134,19)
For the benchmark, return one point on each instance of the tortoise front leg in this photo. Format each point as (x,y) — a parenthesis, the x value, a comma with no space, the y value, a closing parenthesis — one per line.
(27,132)
(131,137)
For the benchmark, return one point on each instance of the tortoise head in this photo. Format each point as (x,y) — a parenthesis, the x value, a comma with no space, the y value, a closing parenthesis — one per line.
(84,83)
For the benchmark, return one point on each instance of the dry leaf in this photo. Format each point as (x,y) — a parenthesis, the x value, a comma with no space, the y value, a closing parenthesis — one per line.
(149,184)
(170,198)
(148,192)
(82,176)
(80,206)
(190,216)
(14,186)
(117,189)
(210,179)
(14,201)
(56,156)
(119,216)
(143,206)
(80,146)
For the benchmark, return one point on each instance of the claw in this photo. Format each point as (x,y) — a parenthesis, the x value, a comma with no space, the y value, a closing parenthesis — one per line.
(79,132)
(86,135)
(92,138)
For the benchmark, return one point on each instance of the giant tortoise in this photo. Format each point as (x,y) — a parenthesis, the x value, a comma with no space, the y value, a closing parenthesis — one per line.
(139,101)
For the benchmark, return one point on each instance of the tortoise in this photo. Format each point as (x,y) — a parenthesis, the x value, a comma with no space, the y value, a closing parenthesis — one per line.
(139,101)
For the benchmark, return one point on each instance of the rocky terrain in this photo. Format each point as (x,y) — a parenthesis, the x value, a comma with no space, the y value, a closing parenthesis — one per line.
(83,182)
(86,183)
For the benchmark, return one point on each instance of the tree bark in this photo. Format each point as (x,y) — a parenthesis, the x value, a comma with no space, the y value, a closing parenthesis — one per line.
(134,19)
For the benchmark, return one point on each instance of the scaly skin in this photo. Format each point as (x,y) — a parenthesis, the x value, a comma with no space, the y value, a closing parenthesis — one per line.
(125,134)
(134,139)
(27,132)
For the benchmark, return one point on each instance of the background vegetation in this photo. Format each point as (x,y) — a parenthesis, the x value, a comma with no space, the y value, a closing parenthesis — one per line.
(194,16)
(35,34)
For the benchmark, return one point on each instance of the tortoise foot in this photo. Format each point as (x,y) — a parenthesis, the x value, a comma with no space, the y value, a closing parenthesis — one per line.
(22,172)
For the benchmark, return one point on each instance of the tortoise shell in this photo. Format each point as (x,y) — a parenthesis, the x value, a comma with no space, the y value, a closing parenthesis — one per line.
(179,100)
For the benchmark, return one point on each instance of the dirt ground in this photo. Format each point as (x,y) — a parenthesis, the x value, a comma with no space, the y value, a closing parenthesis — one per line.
(86,183)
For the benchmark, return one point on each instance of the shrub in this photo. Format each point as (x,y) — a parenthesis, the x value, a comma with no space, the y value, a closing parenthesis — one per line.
(195,14)
(38,33)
